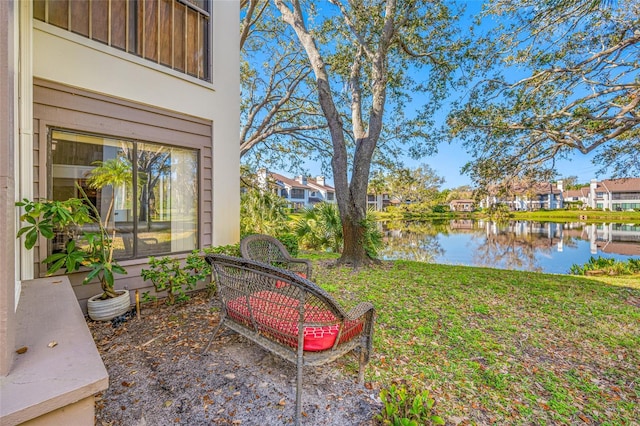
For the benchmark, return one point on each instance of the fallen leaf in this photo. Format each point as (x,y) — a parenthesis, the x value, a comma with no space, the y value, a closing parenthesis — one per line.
(584,418)
(52,344)
(282,402)
(22,350)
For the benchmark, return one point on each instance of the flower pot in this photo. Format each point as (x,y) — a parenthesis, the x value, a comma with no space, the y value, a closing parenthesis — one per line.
(108,309)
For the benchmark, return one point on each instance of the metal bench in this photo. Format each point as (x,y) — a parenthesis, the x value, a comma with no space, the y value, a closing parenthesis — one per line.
(289,316)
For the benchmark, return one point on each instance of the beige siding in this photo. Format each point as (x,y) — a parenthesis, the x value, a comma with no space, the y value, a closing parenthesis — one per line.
(60,106)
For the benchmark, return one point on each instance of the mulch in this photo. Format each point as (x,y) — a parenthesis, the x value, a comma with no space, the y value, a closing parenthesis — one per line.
(159,376)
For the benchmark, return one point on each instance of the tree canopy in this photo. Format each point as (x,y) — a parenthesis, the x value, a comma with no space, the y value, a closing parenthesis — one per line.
(419,185)
(280,118)
(556,78)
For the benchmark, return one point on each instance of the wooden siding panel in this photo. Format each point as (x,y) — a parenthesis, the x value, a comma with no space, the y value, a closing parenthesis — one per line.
(166,32)
(100,20)
(150,39)
(206,197)
(59,13)
(122,111)
(192,42)
(179,41)
(119,24)
(80,14)
(38,9)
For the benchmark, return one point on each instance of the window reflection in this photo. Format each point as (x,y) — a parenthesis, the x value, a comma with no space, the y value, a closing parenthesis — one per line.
(154,212)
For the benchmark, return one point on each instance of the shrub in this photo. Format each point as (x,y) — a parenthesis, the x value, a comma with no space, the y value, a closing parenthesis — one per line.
(170,275)
(290,241)
(607,265)
(407,406)
(499,212)
(229,250)
(320,228)
(373,238)
(262,213)
(440,209)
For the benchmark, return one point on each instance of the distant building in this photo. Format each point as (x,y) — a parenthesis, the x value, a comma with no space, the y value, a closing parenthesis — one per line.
(462,205)
(578,197)
(300,192)
(536,196)
(379,202)
(614,194)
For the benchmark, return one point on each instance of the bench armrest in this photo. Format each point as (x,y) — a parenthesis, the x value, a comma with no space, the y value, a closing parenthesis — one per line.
(306,264)
(358,311)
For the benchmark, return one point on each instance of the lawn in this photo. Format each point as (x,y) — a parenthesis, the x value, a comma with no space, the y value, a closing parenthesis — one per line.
(589,216)
(502,347)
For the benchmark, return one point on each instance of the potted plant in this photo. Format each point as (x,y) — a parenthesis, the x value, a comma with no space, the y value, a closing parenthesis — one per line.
(93,249)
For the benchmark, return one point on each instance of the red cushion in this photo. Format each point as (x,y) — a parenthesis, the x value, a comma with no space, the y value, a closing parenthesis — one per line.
(276,315)
(280,284)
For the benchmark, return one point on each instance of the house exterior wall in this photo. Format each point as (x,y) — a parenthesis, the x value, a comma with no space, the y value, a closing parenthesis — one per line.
(73,77)
(73,60)
(8,86)
(617,194)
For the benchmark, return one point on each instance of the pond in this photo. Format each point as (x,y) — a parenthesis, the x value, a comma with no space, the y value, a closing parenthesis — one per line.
(522,245)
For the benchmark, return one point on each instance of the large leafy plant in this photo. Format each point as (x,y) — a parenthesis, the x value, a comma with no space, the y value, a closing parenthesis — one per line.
(92,249)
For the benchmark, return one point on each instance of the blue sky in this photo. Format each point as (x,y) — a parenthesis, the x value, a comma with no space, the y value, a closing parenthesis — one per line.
(452,157)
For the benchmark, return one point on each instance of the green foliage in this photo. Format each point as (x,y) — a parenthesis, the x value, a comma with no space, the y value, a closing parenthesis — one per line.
(45,217)
(440,209)
(320,228)
(541,93)
(420,185)
(498,211)
(262,212)
(175,277)
(373,241)
(406,406)
(291,242)
(93,250)
(607,266)
(229,250)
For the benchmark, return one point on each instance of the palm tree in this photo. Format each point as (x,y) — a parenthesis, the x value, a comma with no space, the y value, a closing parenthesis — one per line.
(320,227)
(263,213)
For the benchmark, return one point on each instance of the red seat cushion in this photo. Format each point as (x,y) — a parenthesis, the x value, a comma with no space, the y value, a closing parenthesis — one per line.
(276,315)
(280,284)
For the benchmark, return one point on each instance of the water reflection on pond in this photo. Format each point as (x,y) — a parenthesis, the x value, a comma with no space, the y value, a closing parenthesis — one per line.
(524,245)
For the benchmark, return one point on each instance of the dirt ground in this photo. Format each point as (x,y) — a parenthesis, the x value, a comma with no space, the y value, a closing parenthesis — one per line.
(157,375)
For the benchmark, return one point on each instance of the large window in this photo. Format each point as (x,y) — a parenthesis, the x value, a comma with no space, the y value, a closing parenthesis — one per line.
(173,33)
(297,193)
(154,212)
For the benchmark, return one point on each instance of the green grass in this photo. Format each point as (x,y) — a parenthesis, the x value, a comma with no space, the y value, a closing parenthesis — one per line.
(502,347)
(589,216)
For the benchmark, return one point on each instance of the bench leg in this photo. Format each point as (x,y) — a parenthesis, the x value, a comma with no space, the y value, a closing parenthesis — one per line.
(299,365)
(213,335)
(362,362)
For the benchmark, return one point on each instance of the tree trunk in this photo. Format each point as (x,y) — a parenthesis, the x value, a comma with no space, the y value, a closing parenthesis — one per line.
(354,254)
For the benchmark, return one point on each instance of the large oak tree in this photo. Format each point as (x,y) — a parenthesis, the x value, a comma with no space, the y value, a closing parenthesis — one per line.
(369,58)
